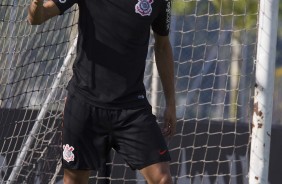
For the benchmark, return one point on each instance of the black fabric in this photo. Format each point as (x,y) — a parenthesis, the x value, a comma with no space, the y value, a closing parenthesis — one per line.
(63,5)
(90,132)
(161,24)
(112,49)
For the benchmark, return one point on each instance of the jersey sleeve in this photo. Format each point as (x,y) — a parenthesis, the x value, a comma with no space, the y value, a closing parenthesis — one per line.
(161,24)
(63,5)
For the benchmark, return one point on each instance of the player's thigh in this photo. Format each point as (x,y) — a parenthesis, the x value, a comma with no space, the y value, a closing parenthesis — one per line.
(139,140)
(76,176)
(85,139)
(157,173)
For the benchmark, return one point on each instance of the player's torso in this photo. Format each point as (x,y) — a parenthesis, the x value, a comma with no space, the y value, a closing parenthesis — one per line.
(112,48)
(126,21)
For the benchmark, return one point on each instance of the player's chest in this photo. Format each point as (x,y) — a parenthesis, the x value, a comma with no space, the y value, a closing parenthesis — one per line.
(146,9)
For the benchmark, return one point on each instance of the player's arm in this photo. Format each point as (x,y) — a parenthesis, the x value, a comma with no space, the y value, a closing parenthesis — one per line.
(40,11)
(165,66)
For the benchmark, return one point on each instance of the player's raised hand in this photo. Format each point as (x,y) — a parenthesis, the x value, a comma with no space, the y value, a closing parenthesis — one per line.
(40,11)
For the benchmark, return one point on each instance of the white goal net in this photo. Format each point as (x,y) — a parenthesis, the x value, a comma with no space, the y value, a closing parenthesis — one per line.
(214,45)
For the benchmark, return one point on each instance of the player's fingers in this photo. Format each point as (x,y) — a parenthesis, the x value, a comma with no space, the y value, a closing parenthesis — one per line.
(172,128)
(168,129)
(165,130)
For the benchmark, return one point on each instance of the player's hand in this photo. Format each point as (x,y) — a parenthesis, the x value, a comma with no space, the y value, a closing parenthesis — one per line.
(169,121)
(38,2)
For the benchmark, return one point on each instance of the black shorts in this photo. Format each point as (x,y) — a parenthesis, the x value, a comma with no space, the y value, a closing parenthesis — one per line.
(89,133)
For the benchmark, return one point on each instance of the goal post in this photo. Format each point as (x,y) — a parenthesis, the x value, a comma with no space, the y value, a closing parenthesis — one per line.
(264,90)
(223,55)
(42,113)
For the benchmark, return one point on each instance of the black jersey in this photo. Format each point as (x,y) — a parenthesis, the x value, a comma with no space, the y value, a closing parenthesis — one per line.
(112,49)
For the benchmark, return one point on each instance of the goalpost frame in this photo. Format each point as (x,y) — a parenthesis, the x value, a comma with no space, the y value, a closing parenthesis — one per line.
(263,95)
(36,127)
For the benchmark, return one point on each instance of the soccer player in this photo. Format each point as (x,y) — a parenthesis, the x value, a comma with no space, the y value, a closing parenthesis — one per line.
(106,105)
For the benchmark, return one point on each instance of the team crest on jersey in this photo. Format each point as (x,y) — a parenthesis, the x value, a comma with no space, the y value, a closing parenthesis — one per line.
(143,7)
(68,153)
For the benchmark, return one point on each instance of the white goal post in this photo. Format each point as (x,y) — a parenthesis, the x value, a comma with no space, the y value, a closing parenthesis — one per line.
(43,111)
(224,57)
(264,90)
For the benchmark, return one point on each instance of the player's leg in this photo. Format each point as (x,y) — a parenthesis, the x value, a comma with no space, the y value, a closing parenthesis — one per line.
(140,142)
(84,141)
(76,176)
(157,173)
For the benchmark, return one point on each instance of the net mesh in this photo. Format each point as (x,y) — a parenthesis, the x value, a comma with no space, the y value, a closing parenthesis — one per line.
(214,45)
